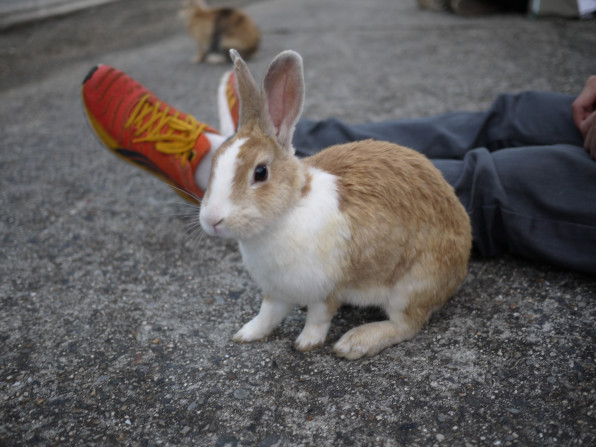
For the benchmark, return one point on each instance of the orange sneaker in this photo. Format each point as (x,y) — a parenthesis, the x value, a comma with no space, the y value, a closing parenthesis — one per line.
(228,104)
(135,125)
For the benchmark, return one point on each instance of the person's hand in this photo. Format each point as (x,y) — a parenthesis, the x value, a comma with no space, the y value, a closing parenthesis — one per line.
(584,115)
(588,130)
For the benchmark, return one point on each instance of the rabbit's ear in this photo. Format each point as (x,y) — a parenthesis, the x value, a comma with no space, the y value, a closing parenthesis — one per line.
(283,96)
(248,92)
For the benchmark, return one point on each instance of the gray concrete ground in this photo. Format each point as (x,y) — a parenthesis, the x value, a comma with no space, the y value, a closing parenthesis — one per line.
(117,314)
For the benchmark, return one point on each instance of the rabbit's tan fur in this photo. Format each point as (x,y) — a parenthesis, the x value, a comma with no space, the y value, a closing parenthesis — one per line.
(366,223)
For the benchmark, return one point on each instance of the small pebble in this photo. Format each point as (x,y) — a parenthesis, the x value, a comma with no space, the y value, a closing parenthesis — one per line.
(241,393)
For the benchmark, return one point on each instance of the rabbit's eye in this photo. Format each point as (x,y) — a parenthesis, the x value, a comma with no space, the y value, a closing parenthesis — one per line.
(261,173)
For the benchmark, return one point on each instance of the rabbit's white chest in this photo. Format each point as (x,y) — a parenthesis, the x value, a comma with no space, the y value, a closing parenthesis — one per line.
(301,260)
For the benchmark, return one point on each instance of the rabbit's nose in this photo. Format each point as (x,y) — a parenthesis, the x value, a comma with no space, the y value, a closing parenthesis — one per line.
(214,225)
(211,221)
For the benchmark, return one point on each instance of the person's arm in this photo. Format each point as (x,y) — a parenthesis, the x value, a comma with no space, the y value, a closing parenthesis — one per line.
(584,115)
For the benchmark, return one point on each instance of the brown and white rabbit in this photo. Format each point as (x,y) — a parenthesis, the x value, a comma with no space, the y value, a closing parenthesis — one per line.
(368,223)
(217,30)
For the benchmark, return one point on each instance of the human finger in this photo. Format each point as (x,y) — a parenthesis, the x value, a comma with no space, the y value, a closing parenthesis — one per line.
(588,129)
(585,102)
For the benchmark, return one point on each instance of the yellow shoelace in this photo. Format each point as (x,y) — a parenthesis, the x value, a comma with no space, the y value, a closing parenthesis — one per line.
(179,138)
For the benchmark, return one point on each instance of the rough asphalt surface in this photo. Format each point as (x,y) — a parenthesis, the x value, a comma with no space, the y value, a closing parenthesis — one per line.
(117,313)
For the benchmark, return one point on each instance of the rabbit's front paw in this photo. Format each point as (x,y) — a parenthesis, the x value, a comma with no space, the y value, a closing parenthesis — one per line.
(251,331)
(311,337)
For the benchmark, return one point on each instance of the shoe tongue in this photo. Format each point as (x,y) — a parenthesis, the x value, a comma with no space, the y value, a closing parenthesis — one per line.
(209,139)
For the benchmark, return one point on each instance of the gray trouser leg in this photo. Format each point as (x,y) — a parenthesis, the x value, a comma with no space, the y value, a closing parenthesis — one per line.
(518,168)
